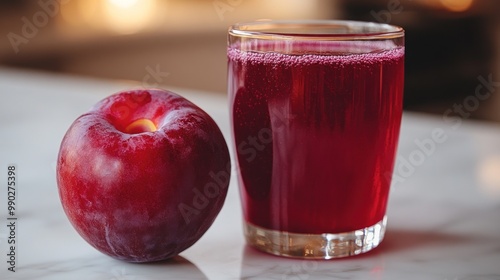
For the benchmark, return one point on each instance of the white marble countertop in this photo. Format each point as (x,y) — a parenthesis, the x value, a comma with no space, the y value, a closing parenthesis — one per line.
(444,210)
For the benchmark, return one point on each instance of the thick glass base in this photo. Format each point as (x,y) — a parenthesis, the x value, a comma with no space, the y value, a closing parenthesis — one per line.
(315,246)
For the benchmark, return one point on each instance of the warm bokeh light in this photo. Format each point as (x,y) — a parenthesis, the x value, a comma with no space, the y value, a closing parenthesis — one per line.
(133,16)
(291,7)
(128,16)
(124,3)
(489,176)
(88,11)
(457,5)
(79,12)
(120,16)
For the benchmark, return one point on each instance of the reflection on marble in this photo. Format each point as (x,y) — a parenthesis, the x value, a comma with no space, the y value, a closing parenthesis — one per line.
(110,269)
(254,267)
(443,219)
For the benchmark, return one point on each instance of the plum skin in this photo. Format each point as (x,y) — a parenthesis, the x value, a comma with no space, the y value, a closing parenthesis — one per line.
(122,192)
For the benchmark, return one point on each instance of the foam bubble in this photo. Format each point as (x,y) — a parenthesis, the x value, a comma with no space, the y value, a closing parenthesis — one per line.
(330,54)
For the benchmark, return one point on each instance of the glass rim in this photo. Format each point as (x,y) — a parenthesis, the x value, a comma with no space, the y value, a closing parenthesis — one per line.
(352,30)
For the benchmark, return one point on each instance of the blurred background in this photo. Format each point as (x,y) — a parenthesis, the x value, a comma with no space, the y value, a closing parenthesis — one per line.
(452,55)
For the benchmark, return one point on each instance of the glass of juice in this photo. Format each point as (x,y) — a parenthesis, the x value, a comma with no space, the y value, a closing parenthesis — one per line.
(315,110)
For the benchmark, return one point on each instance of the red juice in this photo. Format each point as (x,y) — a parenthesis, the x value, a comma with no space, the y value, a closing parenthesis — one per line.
(315,136)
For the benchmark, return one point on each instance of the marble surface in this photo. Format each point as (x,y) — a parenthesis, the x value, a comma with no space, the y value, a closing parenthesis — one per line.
(444,210)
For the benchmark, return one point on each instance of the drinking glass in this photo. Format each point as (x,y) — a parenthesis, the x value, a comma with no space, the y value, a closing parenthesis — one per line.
(315,113)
